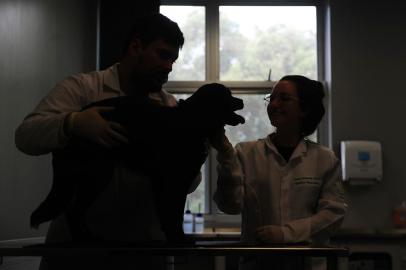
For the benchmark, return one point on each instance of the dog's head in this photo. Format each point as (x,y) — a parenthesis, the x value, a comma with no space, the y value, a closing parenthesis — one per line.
(214,106)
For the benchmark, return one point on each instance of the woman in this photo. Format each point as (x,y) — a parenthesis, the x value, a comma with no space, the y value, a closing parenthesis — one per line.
(287,188)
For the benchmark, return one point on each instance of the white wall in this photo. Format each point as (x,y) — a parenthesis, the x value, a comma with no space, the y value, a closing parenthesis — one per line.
(41,42)
(368,54)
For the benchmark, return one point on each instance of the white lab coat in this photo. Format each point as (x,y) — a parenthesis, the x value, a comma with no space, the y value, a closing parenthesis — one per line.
(303,196)
(125,210)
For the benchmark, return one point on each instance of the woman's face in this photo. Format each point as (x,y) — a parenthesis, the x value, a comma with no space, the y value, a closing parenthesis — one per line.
(284,110)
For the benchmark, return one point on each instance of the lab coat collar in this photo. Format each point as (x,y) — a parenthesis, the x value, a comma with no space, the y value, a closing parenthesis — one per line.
(111,80)
(111,83)
(300,150)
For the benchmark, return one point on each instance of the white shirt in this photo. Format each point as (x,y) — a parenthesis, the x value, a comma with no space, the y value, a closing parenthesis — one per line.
(125,209)
(42,130)
(303,196)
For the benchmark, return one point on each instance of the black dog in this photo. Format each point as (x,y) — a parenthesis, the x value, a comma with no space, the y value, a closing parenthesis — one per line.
(169,144)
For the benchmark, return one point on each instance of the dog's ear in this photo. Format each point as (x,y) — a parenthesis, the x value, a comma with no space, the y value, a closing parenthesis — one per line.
(210,93)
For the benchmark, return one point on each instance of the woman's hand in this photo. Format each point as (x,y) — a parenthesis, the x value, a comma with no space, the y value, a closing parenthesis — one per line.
(219,141)
(270,234)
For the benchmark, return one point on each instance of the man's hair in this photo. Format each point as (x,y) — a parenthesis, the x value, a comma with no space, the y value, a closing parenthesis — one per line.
(152,27)
(311,94)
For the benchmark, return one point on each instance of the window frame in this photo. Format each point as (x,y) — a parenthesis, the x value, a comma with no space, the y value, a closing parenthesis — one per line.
(215,218)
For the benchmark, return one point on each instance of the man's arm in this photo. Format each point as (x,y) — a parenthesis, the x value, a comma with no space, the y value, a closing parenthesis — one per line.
(43,129)
(58,117)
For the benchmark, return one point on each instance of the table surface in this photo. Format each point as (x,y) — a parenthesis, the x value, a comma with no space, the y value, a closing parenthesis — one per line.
(35,247)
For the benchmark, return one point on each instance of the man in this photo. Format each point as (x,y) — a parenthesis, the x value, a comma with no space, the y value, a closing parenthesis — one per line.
(125,210)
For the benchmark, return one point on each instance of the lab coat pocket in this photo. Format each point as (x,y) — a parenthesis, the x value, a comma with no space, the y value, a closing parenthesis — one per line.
(306,190)
(308,182)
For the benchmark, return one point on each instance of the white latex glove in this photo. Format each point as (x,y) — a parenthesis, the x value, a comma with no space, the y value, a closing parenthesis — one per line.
(90,125)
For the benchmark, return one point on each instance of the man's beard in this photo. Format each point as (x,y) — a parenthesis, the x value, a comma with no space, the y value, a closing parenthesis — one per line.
(153,85)
(148,85)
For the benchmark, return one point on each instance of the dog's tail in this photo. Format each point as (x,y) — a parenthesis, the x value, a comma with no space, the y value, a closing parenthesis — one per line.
(46,211)
(60,195)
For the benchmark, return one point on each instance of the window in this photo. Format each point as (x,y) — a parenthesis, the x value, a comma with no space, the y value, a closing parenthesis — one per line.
(271,41)
(191,63)
(247,48)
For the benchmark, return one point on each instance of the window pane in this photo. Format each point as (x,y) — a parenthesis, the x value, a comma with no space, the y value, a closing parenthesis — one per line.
(257,124)
(255,40)
(191,64)
(196,198)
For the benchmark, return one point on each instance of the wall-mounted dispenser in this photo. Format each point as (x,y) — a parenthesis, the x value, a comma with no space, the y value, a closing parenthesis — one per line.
(361,162)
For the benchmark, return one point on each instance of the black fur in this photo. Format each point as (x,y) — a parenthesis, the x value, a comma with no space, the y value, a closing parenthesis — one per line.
(169,144)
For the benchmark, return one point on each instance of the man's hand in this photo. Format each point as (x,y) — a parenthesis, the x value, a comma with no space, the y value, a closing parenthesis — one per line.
(270,234)
(90,125)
